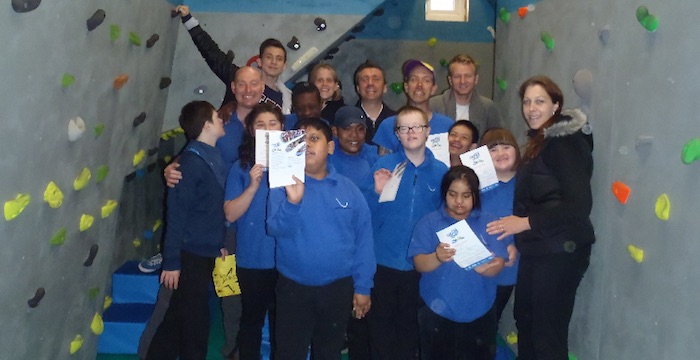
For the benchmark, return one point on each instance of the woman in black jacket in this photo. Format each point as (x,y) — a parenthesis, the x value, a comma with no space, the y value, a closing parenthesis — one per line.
(550,219)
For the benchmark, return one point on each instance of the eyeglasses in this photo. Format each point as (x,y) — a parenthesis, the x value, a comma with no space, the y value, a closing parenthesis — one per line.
(416,129)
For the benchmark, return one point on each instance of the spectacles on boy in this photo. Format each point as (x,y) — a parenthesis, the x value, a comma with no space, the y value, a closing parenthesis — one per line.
(416,129)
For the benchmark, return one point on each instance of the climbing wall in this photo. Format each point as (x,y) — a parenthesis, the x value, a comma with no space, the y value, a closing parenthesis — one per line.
(631,66)
(83,91)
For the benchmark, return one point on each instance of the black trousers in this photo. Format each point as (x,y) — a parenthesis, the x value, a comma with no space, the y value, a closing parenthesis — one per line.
(358,338)
(503,293)
(544,301)
(315,316)
(184,331)
(393,318)
(444,339)
(258,298)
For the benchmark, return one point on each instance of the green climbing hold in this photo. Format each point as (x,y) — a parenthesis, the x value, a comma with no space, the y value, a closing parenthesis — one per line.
(59,237)
(642,12)
(572,357)
(101,173)
(396,87)
(93,292)
(648,21)
(67,80)
(691,151)
(548,40)
(99,129)
(502,84)
(443,63)
(504,15)
(114,32)
(134,39)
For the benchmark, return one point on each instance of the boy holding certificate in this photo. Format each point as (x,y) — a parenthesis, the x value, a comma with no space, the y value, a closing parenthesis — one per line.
(458,320)
(325,253)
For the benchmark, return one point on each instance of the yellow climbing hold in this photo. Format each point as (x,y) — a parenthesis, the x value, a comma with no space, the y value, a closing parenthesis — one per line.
(432,41)
(97,326)
(636,253)
(107,303)
(108,208)
(167,158)
(512,338)
(138,157)
(663,207)
(137,242)
(15,206)
(53,195)
(86,221)
(157,225)
(76,344)
(82,180)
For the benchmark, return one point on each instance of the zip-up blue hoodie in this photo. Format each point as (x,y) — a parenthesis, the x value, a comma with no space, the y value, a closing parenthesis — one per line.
(393,222)
(327,236)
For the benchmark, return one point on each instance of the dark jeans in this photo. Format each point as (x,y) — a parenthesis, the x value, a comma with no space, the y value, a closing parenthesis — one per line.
(503,293)
(184,331)
(258,298)
(544,301)
(444,339)
(358,339)
(312,315)
(393,318)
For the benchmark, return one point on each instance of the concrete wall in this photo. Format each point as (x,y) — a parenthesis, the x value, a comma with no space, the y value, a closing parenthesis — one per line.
(643,86)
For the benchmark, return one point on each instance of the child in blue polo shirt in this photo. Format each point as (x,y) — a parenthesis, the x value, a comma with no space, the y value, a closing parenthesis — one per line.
(194,238)
(325,253)
(353,157)
(458,320)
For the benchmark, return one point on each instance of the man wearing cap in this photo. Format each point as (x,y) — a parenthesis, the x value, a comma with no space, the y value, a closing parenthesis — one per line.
(370,85)
(461,101)
(419,85)
(353,157)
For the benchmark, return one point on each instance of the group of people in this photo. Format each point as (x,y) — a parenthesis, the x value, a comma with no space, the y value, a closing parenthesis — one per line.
(351,256)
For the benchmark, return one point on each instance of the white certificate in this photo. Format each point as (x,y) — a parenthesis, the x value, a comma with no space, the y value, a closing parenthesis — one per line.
(262,145)
(470,251)
(440,146)
(480,161)
(392,186)
(286,157)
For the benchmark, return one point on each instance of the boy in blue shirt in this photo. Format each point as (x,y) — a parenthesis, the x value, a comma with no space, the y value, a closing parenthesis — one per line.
(194,237)
(354,158)
(325,254)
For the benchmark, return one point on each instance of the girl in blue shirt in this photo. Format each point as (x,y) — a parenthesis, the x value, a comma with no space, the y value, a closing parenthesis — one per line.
(458,320)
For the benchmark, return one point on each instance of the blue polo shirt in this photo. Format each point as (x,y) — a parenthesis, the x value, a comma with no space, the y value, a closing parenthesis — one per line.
(499,202)
(386,133)
(354,167)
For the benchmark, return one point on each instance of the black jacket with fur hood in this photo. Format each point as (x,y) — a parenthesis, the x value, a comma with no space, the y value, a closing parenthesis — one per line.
(554,189)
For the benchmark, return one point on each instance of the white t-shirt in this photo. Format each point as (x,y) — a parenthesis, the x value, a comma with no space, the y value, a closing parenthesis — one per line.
(462,112)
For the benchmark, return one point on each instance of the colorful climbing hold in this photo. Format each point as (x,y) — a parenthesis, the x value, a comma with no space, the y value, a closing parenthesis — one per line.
(621,191)
(140,173)
(101,173)
(512,338)
(691,151)
(148,235)
(397,87)
(76,128)
(139,156)
(504,15)
(119,81)
(491,31)
(108,208)
(572,357)
(59,237)
(548,40)
(134,39)
(91,255)
(67,80)
(137,242)
(93,292)
(76,344)
(99,129)
(114,32)
(583,84)
(604,34)
(522,12)
(38,295)
(662,207)
(432,41)
(167,158)
(107,303)
(15,206)
(636,253)
(502,84)
(157,225)
(152,40)
(86,221)
(82,180)
(53,195)
(443,62)
(294,44)
(96,19)
(649,21)
(97,326)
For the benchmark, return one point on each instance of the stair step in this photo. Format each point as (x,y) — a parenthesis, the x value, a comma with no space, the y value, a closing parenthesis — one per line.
(130,285)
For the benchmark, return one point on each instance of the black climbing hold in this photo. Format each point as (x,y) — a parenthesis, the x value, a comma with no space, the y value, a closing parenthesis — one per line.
(378,12)
(139,119)
(91,255)
(130,177)
(38,295)
(152,151)
(294,43)
(151,167)
(174,13)
(350,37)
(328,57)
(152,40)
(23,6)
(164,82)
(96,19)
(320,24)
(357,29)
(333,50)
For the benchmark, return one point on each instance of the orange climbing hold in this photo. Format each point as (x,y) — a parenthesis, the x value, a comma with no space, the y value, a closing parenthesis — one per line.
(621,191)
(522,12)
(120,81)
